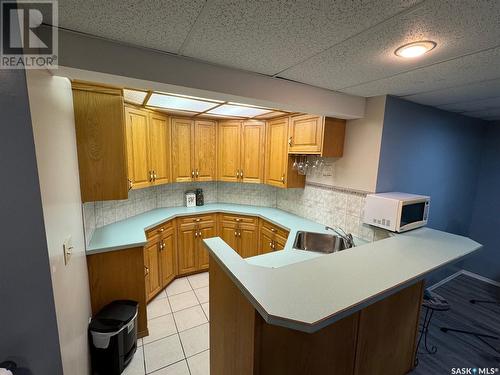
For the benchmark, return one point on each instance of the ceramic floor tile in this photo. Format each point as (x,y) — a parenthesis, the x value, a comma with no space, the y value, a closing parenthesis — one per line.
(206,309)
(179,368)
(136,366)
(183,301)
(160,327)
(189,318)
(202,294)
(195,340)
(139,343)
(199,280)
(161,295)
(158,307)
(200,363)
(178,286)
(162,353)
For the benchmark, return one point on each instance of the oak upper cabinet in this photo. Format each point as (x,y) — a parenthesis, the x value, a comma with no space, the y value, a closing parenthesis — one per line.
(193,150)
(159,148)
(205,147)
(253,133)
(316,135)
(229,150)
(241,151)
(278,171)
(148,147)
(100,140)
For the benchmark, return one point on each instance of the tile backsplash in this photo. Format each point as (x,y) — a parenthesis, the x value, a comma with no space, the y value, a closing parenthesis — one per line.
(323,204)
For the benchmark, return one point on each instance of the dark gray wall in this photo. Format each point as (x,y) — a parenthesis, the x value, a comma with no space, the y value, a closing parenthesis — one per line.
(429,151)
(28,326)
(485,222)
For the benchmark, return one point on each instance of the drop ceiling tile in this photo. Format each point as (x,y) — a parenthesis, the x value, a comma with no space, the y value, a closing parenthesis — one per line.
(157,24)
(269,36)
(475,105)
(459,27)
(462,71)
(458,94)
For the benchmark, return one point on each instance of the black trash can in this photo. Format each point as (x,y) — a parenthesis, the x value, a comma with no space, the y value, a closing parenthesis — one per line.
(113,337)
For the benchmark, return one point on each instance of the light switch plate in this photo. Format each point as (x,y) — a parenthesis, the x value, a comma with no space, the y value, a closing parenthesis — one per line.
(67,249)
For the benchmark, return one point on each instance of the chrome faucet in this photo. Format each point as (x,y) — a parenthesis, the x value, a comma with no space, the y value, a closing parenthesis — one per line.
(347,237)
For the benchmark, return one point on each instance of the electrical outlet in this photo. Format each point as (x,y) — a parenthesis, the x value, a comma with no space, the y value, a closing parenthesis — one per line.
(67,250)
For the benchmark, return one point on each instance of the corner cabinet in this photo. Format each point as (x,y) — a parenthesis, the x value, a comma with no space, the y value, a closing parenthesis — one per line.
(278,171)
(316,135)
(193,150)
(241,151)
(100,140)
(148,147)
(241,233)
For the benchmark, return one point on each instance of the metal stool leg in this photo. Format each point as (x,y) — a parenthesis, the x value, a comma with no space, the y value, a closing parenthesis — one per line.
(424,333)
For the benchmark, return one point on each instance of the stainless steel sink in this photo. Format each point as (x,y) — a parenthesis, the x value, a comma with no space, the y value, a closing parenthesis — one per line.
(319,242)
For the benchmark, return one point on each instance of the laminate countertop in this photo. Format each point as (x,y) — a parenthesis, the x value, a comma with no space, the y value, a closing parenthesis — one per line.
(303,290)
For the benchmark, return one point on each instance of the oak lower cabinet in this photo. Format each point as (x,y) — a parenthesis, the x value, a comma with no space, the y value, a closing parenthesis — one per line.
(192,254)
(160,255)
(278,167)
(194,144)
(272,237)
(316,135)
(241,233)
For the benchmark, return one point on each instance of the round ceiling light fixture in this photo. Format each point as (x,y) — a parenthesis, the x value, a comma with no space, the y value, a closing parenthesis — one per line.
(415,49)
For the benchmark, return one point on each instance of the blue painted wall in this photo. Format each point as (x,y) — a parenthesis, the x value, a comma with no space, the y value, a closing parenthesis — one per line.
(429,151)
(485,223)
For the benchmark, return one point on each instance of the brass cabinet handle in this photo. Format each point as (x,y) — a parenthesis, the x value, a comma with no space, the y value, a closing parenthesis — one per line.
(199,234)
(130,184)
(236,234)
(273,230)
(150,176)
(192,173)
(154,175)
(196,234)
(161,229)
(283,178)
(241,173)
(271,244)
(163,245)
(197,220)
(197,173)
(238,219)
(239,234)
(290,141)
(147,271)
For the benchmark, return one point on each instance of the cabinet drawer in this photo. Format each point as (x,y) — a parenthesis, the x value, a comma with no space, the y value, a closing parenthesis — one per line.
(159,229)
(275,229)
(238,219)
(196,219)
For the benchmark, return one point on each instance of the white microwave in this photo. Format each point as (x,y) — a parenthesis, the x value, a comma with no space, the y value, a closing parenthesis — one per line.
(397,212)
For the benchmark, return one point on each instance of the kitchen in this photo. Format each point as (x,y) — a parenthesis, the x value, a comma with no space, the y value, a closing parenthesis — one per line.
(213,197)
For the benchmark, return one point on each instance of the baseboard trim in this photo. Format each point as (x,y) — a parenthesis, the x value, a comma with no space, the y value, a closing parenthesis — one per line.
(467,273)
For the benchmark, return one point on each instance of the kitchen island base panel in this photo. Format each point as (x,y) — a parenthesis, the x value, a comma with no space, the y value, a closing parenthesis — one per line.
(380,336)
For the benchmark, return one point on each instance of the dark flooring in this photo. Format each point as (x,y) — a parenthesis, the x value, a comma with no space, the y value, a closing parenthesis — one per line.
(456,350)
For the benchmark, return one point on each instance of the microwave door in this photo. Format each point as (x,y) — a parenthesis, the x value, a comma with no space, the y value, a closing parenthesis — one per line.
(412,213)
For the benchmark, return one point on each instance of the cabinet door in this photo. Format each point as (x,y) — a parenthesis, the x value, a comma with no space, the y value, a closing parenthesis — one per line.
(182,150)
(186,249)
(229,233)
(167,257)
(207,230)
(306,134)
(159,148)
(228,161)
(100,140)
(252,151)
(249,240)
(205,142)
(152,261)
(279,242)
(277,152)
(266,241)
(137,147)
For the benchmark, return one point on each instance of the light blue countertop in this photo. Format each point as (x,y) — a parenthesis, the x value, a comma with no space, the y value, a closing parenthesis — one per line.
(310,294)
(131,232)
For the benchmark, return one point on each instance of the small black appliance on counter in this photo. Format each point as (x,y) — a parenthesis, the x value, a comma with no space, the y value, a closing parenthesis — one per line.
(199,197)
(113,337)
